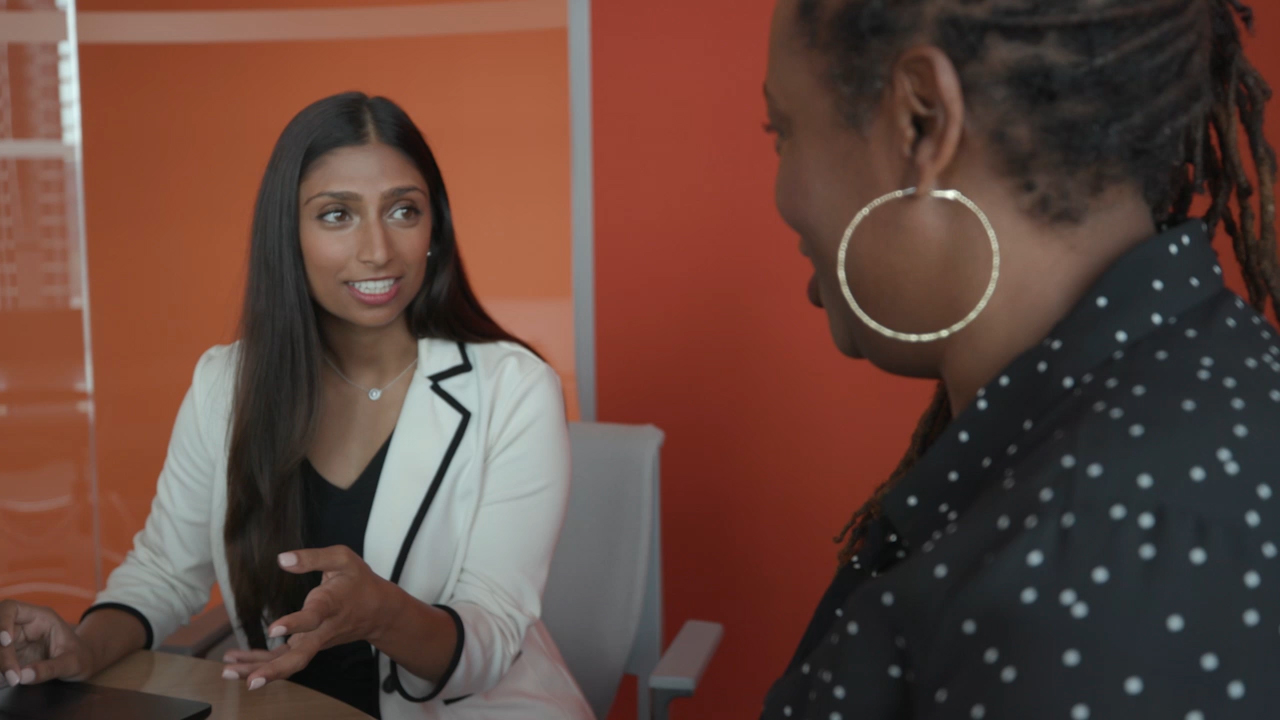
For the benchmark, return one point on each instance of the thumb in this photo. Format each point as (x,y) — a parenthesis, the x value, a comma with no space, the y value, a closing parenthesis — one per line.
(329,559)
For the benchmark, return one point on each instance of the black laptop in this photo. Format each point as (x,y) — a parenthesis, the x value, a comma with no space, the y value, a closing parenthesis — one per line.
(79,701)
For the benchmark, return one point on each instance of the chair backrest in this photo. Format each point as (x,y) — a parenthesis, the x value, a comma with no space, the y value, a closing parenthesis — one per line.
(603,601)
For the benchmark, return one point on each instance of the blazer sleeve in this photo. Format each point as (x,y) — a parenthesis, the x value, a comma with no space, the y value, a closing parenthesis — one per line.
(167,577)
(526,489)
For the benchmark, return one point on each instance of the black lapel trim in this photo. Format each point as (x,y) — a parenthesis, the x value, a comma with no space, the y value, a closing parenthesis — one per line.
(464,366)
(465,419)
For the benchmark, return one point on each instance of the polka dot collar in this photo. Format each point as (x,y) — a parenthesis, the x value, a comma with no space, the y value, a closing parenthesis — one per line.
(1143,292)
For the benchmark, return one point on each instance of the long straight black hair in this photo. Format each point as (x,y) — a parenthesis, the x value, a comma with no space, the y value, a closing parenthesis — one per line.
(277,392)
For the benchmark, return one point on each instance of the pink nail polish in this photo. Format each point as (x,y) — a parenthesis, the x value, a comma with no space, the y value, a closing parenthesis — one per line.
(257,683)
(230,674)
(5,639)
(12,678)
(27,676)
(287,559)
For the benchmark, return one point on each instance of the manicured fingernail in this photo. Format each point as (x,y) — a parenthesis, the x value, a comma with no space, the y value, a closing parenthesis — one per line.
(230,674)
(257,683)
(278,631)
(28,676)
(5,639)
(228,659)
(287,559)
(12,678)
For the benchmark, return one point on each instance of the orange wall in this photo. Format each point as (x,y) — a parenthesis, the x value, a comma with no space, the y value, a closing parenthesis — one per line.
(176,138)
(772,438)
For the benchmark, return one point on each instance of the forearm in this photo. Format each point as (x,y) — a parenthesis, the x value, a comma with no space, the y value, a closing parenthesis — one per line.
(417,637)
(109,635)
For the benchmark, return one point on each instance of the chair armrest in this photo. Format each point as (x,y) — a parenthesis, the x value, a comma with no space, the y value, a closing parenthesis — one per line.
(681,667)
(197,637)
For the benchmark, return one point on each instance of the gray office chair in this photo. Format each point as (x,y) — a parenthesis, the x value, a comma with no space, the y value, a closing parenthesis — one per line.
(603,601)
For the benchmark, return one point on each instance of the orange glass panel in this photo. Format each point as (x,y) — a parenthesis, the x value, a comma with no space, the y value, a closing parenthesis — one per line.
(47,528)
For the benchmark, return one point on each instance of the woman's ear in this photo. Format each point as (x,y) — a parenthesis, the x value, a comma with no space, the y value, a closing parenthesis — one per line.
(927,103)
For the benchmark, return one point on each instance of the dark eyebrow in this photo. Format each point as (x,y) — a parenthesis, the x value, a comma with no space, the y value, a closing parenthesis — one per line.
(350,197)
(402,191)
(342,196)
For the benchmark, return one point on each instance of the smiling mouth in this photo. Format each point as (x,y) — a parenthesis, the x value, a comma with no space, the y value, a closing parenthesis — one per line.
(374,287)
(374,292)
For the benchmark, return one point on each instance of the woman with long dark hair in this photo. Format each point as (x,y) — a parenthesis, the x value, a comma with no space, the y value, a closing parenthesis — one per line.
(375,474)
(998,194)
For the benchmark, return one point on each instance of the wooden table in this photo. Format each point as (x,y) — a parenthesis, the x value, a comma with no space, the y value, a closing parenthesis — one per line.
(195,679)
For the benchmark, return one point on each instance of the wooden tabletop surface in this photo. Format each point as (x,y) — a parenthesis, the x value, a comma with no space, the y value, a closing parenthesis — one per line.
(195,679)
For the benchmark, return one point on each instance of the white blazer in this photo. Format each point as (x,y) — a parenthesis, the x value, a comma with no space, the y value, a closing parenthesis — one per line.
(470,503)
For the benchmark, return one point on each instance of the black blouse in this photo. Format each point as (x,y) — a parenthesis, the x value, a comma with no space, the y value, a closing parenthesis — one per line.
(335,516)
(1094,537)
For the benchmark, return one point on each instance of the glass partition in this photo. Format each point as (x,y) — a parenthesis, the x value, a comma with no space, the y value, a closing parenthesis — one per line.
(48,489)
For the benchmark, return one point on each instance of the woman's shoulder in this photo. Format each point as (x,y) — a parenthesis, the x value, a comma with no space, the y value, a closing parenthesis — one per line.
(1190,428)
(513,381)
(507,361)
(213,383)
(216,367)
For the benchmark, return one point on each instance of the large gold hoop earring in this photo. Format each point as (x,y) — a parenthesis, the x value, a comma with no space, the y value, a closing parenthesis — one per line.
(954,196)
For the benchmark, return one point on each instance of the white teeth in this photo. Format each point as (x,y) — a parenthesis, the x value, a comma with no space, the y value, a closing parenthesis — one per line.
(373,287)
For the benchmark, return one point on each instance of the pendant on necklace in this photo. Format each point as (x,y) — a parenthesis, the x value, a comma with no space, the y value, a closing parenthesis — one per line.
(374,394)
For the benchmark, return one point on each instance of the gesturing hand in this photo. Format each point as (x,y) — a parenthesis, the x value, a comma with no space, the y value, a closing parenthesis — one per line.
(352,603)
(37,645)
(240,663)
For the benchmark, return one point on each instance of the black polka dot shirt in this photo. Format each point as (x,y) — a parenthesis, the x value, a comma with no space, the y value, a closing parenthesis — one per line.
(1096,536)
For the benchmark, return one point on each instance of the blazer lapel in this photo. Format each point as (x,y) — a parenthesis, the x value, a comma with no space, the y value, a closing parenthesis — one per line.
(429,434)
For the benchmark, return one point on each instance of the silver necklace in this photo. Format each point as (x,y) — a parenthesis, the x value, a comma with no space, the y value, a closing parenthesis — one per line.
(374,393)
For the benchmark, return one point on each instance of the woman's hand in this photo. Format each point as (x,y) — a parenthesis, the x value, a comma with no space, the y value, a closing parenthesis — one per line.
(37,645)
(241,663)
(352,603)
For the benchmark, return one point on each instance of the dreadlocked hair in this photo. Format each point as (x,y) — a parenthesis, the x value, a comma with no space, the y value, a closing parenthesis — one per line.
(1078,96)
